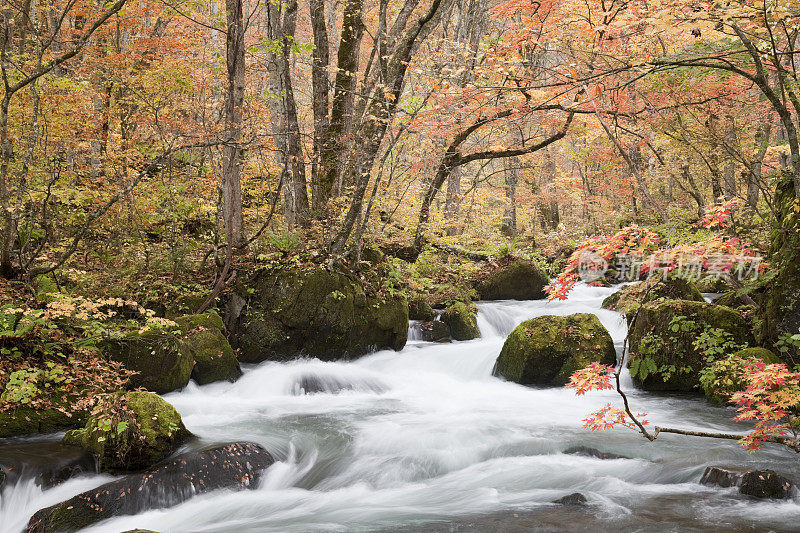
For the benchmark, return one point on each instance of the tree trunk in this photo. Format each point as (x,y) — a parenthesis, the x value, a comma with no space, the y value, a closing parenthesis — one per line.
(234,100)
(754,175)
(729,177)
(509,226)
(453,201)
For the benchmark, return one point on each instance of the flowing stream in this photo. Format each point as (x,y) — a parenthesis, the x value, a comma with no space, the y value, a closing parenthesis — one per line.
(426,440)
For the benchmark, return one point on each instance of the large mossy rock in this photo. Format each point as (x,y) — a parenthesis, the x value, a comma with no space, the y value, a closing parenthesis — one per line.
(664,355)
(317,313)
(518,280)
(546,350)
(214,359)
(235,466)
(462,319)
(162,360)
(19,421)
(628,298)
(160,433)
(419,309)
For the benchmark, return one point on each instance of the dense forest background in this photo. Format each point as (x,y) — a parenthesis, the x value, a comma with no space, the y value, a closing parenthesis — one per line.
(140,141)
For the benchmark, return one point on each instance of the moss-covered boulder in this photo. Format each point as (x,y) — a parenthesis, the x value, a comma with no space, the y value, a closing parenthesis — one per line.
(628,298)
(317,313)
(18,421)
(546,350)
(462,319)
(162,360)
(214,359)
(713,284)
(724,377)
(419,309)
(672,341)
(148,430)
(516,280)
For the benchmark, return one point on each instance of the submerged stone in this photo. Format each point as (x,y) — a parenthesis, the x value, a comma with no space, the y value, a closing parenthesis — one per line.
(763,484)
(235,466)
(592,452)
(767,484)
(576,498)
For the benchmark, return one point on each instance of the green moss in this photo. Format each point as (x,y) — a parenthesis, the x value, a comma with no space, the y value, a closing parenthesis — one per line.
(782,300)
(546,350)
(209,319)
(462,318)
(320,313)
(628,298)
(163,361)
(418,309)
(160,432)
(664,341)
(25,420)
(214,358)
(520,280)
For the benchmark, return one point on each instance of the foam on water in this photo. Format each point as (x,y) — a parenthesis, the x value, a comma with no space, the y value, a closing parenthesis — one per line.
(404,440)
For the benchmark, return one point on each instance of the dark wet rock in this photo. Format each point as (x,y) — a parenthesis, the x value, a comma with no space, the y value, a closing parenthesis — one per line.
(576,498)
(592,452)
(235,466)
(319,313)
(419,309)
(48,463)
(517,280)
(214,359)
(159,425)
(663,340)
(434,331)
(462,319)
(546,350)
(722,476)
(317,383)
(766,484)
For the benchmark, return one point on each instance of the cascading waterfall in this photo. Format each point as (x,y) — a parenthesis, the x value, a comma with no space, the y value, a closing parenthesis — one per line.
(427,440)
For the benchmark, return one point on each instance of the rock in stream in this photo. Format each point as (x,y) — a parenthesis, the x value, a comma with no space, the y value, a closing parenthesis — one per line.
(234,466)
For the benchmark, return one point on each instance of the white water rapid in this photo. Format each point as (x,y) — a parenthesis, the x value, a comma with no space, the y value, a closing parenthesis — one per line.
(426,440)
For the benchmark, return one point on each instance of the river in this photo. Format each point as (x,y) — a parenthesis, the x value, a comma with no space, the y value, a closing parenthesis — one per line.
(425,440)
